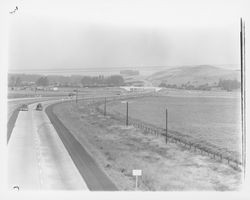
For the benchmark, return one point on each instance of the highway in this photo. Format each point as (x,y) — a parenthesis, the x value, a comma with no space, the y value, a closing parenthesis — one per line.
(15,103)
(44,155)
(37,158)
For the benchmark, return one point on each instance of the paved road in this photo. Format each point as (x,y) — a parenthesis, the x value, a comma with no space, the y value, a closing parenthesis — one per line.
(37,158)
(15,103)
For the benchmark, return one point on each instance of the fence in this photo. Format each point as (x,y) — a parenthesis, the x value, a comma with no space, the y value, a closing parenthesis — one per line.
(188,142)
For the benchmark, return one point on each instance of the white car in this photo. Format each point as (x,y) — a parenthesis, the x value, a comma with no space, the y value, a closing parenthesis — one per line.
(24,107)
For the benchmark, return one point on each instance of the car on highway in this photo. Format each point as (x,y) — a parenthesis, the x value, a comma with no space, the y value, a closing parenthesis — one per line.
(24,107)
(39,107)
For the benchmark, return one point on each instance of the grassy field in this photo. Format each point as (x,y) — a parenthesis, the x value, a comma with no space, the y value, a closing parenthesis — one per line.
(82,92)
(209,119)
(119,149)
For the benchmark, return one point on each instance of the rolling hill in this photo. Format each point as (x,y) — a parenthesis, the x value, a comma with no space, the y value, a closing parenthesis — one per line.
(194,75)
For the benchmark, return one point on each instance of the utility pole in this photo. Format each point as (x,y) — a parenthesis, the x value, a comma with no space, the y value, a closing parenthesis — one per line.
(76,95)
(243,106)
(105,107)
(127,115)
(166,126)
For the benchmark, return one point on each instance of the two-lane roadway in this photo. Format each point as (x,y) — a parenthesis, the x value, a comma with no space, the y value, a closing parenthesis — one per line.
(37,158)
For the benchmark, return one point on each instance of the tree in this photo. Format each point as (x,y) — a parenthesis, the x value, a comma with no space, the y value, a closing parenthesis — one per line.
(11,81)
(87,81)
(163,84)
(18,81)
(204,87)
(190,87)
(115,80)
(43,81)
(229,85)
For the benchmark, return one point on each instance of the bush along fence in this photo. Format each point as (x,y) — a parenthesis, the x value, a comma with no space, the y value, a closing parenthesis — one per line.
(202,147)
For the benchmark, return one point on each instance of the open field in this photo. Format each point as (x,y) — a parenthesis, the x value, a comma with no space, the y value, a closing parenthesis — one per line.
(119,149)
(207,119)
(17,93)
(198,93)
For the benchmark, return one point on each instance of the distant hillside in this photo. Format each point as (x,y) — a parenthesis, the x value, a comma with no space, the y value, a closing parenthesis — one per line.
(136,80)
(130,72)
(197,75)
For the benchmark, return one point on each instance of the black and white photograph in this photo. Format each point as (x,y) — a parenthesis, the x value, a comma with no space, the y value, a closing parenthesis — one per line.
(124,96)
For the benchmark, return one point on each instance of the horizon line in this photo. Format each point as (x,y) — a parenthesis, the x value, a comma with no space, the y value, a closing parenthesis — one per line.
(105,69)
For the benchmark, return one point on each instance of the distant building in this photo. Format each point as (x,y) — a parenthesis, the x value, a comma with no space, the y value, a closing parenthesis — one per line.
(141,89)
(39,88)
(53,88)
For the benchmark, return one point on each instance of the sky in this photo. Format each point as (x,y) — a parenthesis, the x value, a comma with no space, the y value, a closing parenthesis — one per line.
(63,36)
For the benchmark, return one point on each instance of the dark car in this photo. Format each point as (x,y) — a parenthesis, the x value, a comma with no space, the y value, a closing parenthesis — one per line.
(24,107)
(39,107)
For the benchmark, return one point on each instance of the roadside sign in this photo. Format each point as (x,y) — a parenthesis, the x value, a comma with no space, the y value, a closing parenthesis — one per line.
(137,172)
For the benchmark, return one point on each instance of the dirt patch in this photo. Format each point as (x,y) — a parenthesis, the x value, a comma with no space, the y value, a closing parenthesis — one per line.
(119,149)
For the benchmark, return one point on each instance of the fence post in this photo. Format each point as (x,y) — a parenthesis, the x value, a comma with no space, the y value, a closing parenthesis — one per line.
(127,115)
(166,126)
(105,107)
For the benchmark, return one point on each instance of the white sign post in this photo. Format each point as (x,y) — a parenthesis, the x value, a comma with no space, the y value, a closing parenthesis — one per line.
(136,173)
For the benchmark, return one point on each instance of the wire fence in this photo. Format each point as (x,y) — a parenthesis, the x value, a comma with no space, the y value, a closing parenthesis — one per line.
(224,155)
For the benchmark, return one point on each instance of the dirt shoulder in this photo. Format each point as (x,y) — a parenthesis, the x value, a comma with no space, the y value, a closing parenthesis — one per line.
(119,149)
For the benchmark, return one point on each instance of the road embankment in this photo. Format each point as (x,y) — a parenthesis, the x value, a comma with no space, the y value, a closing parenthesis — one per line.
(11,122)
(94,177)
